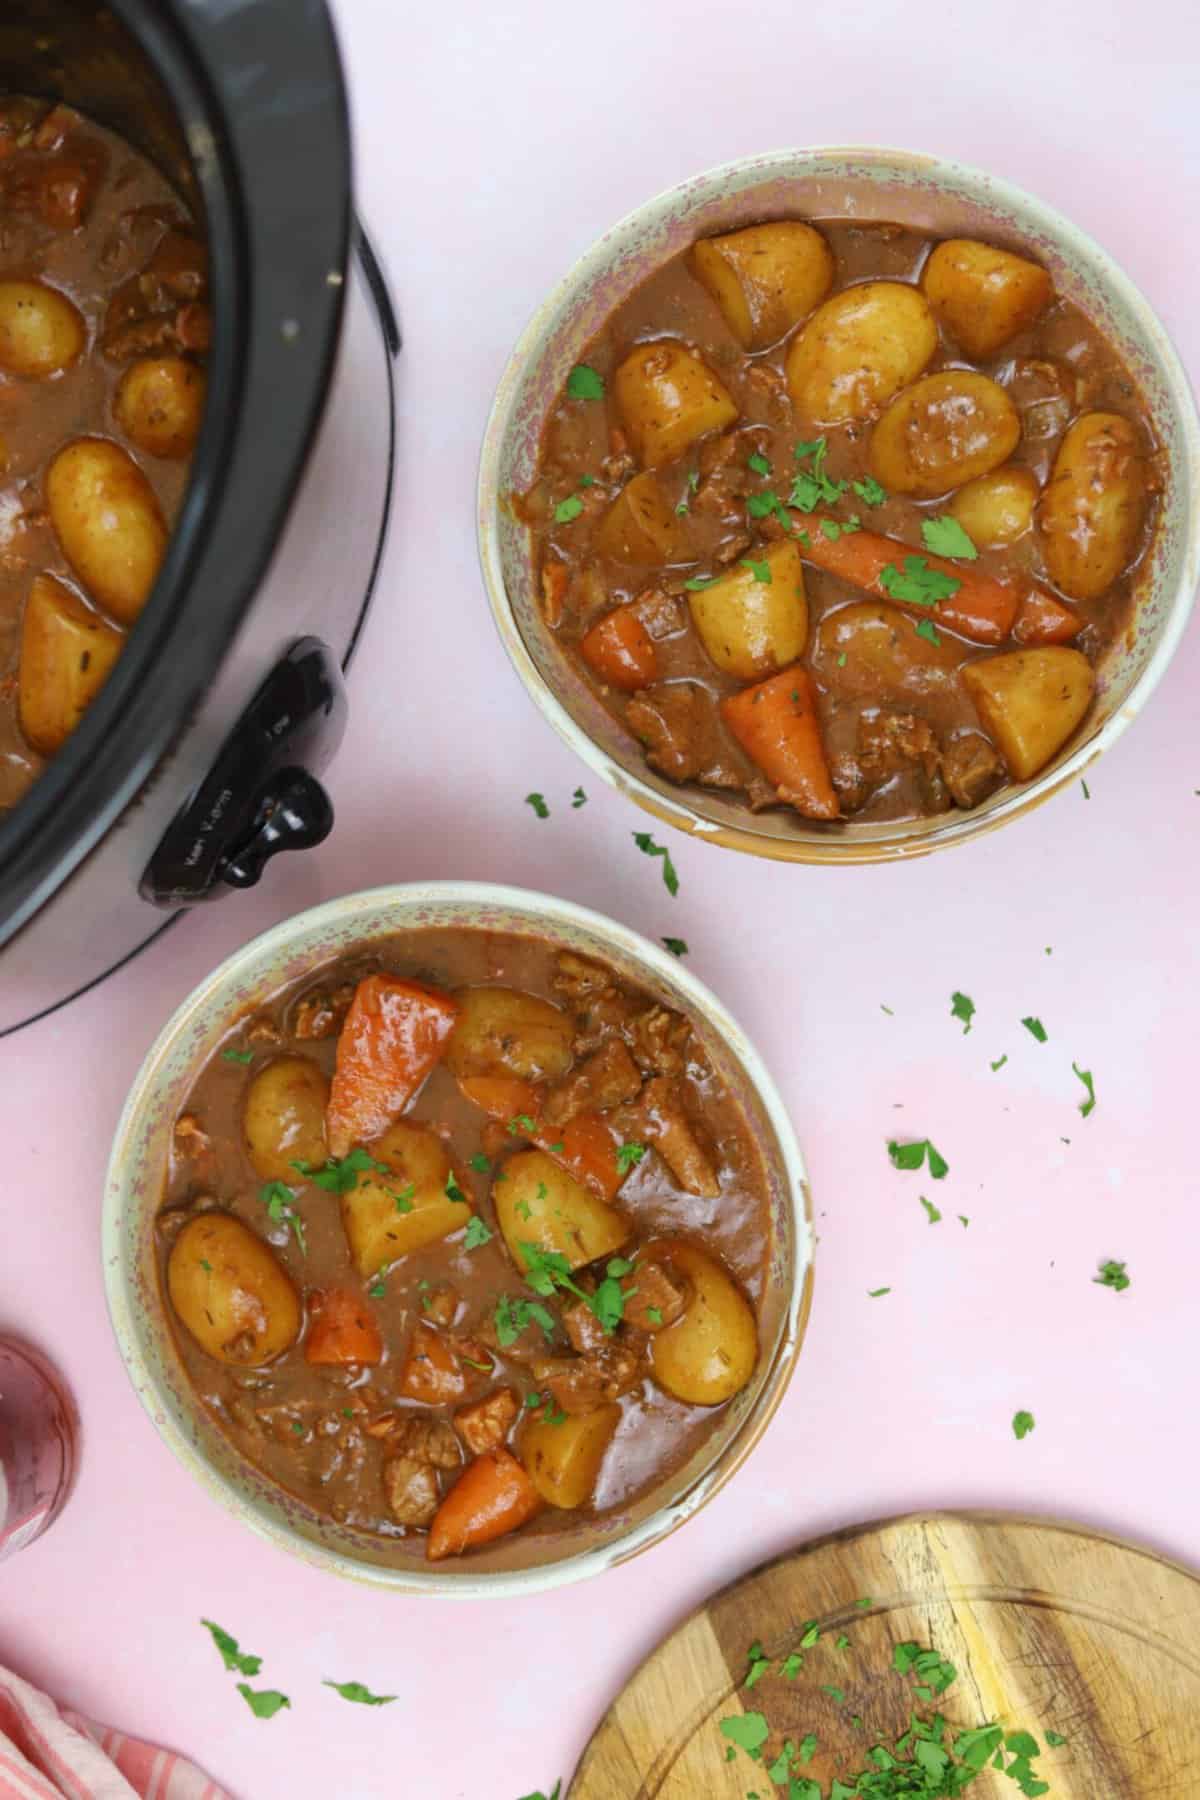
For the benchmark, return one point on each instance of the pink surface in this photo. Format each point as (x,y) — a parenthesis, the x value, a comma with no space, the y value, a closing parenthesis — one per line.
(495,145)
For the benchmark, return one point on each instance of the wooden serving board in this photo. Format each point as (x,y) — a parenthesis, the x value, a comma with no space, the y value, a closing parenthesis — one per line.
(1051,1627)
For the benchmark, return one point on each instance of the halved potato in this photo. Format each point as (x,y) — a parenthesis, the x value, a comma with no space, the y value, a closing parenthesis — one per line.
(943,431)
(859,349)
(1031,701)
(998,508)
(283,1118)
(1091,511)
(41,331)
(503,1031)
(641,525)
(751,627)
(563,1459)
(766,278)
(405,1206)
(231,1292)
(984,295)
(668,397)
(109,523)
(67,654)
(870,650)
(539,1203)
(160,405)
(710,1352)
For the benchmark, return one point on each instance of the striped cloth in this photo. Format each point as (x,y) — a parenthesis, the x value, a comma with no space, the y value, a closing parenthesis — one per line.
(50,1753)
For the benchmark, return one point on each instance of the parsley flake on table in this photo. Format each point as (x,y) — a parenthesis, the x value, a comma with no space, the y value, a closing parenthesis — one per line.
(761,571)
(919,584)
(925,628)
(934,1216)
(1035,1028)
(842,1642)
(677,946)
(1055,1739)
(585,383)
(870,491)
(231,1656)
(877,1293)
(477,1234)
(791,1665)
(836,1694)
(264,1703)
(629,1156)
(962,1007)
(238,1056)
(757,1664)
(946,537)
(1112,1275)
(646,844)
(1085,1075)
(999,1062)
(354,1690)
(1023,1423)
(453,1191)
(912,1155)
(568,509)
(538,803)
(963,1220)
(749,1731)
(578,799)
(540,1796)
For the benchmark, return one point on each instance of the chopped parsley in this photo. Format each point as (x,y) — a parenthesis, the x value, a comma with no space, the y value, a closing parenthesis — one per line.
(540,1796)
(877,1293)
(699,582)
(354,1690)
(870,491)
(963,1220)
(831,529)
(520,1122)
(1085,1075)
(378,1289)
(1023,1423)
(677,946)
(238,1056)
(264,1703)
(629,1156)
(578,799)
(749,1731)
(791,1665)
(453,1191)
(761,571)
(1087,792)
(538,803)
(1055,1739)
(962,1007)
(758,1662)
(919,584)
(231,1656)
(912,1156)
(512,1316)
(946,537)
(585,383)
(759,464)
(340,1176)
(277,1197)
(568,509)
(548,1270)
(934,1216)
(403,1197)
(1035,1028)
(480,1163)
(648,847)
(925,628)
(477,1234)
(836,1694)
(654,1315)
(812,487)
(1112,1275)
(999,1063)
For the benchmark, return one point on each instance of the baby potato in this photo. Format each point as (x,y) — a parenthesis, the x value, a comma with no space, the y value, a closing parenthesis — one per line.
(751,627)
(67,652)
(943,431)
(641,525)
(859,349)
(1031,701)
(766,278)
(563,1460)
(160,403)
(668,397)
(404,1206)
(41,331)
(1091,510)
(539,1203)
(710,1352)
(996,509)
(108,522)
(870,650)
(231,1292)
(982,295)
(502,1031)
(283,1117)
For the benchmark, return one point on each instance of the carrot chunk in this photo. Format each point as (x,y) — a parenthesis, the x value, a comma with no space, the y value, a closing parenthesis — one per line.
(491,1497)
(775,722)
(1041,619)
(341,1329)
(620,650)
(982,608)
(395,1031)
(587,1145)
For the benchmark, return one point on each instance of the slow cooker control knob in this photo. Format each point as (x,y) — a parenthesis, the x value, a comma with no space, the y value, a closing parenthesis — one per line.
(299,815)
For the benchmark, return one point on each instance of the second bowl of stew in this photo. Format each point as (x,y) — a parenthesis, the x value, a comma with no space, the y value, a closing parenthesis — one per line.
(838,505)
(457,1239)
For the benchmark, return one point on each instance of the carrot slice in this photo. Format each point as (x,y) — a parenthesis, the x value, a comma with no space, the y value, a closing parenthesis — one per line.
(587,1145)
(620,650)
(1041,619)
(341,1329)
(395,1031)
(492,1496)
(775,722)
(431,1372)
(982,609)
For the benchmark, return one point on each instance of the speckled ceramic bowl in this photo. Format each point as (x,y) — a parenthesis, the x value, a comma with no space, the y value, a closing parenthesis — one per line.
(928,194)
(134,1190)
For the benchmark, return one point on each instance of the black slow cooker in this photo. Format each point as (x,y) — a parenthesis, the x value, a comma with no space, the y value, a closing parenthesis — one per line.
(201,757)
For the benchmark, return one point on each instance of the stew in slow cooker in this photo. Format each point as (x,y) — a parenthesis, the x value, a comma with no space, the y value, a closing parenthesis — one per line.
(103,327)
(839,517)
(464,1232)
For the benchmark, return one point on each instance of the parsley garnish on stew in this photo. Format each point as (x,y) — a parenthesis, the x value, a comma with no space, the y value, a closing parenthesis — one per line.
(231,1656)
(585,383)
(568,509)
(512,1316)
(264,1703)
(480,1163)
(699,582)
(354,1690)
(238,1056)
(962,1007)
(1023,1423)
(1035,1028)
(919,584)
(520,1122)
(1112,1275)
(925,628)
(759,464)
(341,1176)
(946,537)
(629,1155)
(648,847)
(870,491)
(761,571)
(677,946)
(277,1197)
(913,1155)
(1085,1075)
(453,1191)
(477,1234)
(538,803)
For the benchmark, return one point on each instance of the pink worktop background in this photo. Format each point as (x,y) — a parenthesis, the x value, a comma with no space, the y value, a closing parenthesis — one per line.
(495,144)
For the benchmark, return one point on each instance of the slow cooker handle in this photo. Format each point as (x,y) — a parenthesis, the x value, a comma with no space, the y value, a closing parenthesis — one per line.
(299,816)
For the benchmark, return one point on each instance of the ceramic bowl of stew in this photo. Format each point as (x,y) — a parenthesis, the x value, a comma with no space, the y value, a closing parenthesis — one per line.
(838,505)
(457,1240)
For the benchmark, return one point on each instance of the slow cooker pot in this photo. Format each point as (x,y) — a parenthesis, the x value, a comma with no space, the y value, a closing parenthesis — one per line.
(201,757)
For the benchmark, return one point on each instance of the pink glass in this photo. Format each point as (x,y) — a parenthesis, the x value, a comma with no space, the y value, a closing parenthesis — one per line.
(37,1446)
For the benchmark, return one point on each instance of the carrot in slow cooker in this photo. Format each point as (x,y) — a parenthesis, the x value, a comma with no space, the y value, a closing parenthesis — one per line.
(491,1497)
(395,1031)
(621,650)
(1043,620)
(776,724)
(982,608)
(341,1329)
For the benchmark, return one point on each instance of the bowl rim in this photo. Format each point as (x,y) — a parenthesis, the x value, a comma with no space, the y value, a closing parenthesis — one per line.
(1023,797)
(540,909)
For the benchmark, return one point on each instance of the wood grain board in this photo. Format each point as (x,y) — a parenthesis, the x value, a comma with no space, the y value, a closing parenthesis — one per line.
(1050,1626)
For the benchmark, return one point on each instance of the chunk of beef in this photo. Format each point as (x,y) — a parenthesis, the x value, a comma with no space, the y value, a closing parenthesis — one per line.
(577,980)
(850,784)
(431,1372)
(587,1335)
(891,743)
(322,1015)
(768,386)
(162,307)
(485,1424)
(972,768)
(579,1384)
(667,1126)
(661,1041)
(603,1080)
(725,475)
(190,1135)
(652,1291)
(662,615)
(412,1490)
(555,578)
(679,725)
(528,1347)
(421,1437)
(440,1305)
